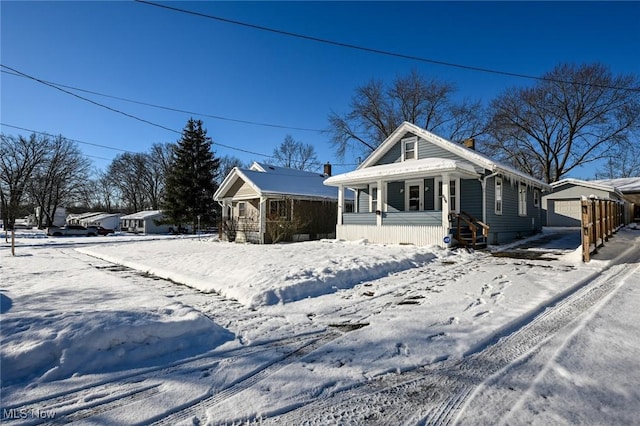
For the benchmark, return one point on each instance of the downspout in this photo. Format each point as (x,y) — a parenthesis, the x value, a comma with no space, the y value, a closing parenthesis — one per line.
(483,182)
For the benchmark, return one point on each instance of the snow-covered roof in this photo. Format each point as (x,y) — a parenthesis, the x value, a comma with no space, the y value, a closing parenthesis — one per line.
(102,216)
(267,179)
(587,184)
(80,216)
(625,185)
(470,155)
(405,169)
(145,214)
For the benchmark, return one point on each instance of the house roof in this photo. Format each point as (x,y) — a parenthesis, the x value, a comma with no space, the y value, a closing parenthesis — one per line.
(405,169)
(80,216)
(625,185)
(587,184)
(102,216)
(266,179)
(470,155)
(145,214)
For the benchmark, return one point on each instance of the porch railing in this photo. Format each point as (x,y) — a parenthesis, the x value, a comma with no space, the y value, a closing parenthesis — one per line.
(468,235)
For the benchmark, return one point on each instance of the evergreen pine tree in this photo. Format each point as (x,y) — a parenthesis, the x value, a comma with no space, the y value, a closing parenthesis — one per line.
(191,179)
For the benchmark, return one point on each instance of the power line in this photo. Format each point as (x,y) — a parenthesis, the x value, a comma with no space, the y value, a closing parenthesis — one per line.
(217,117)
(53,85)
(133,152)
(246,151)
(72,140)
(89,100)
(378,51)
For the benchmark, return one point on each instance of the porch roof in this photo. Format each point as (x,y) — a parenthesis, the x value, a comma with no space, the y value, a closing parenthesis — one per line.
(415,169)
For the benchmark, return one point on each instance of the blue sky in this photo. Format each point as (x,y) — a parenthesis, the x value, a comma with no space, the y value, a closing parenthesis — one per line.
(152,55)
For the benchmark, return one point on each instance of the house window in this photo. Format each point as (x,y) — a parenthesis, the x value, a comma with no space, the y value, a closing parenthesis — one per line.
(410,148)
(536,198)
(373,198)
(498,195)
(522,200)
(242,209)
(278,209)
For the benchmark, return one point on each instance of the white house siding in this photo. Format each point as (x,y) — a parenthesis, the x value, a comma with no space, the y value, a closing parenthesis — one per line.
(394,234)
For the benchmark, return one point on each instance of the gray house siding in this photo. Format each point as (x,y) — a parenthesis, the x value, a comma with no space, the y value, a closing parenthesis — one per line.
(394,155)
(510,225)
(471,197)
(425,150)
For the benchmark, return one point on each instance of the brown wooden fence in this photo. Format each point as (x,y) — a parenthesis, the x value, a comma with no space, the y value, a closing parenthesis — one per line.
(600,220)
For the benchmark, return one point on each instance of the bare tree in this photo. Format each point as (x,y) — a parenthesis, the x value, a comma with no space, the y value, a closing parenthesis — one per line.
(296,155)
(227,163)
(377,110)
(623,161)
(59,178)
(128,172)
(574,116)
(20,157)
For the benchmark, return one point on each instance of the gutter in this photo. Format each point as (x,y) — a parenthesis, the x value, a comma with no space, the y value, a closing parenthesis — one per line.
(483,182)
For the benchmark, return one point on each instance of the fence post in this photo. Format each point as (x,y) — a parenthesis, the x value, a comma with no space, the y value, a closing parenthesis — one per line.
(586,243)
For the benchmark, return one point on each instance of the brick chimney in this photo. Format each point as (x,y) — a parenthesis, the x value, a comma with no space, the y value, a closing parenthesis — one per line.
(327,169)
(470,143)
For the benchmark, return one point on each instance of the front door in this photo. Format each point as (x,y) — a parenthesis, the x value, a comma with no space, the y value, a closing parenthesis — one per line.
(414,195)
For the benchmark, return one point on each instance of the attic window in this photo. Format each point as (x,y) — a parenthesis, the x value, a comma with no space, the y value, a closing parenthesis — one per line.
(410,148)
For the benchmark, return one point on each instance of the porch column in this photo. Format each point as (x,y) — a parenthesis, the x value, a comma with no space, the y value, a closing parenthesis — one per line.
(379,203)
(263,219)
(445,200)
(340,203)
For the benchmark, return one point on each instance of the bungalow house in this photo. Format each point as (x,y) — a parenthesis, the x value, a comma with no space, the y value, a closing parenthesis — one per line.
(267,204)
(145,222)
(562,206)
(418,188)
(106,220)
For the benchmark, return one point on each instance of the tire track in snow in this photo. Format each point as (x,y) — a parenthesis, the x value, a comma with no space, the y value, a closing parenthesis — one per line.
(436,394)
(197,409)
(92,399)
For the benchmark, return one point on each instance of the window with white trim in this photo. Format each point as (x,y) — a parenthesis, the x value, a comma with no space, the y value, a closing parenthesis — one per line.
(278,209)
(373,198)
(536,198)
(242,209)
(410,148)
(522,199)
(498,209)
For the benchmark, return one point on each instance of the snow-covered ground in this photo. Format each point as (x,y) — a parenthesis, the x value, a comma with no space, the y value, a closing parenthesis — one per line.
(135,330)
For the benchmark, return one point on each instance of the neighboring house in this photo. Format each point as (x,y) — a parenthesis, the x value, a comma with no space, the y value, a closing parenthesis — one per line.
(630,189)
(59,217)
(145,222)
(106,220)
(562,206)
(265,204)
(81,218)
(416,187)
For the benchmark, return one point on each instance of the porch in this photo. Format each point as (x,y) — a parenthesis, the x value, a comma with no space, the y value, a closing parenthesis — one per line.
(415,203)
